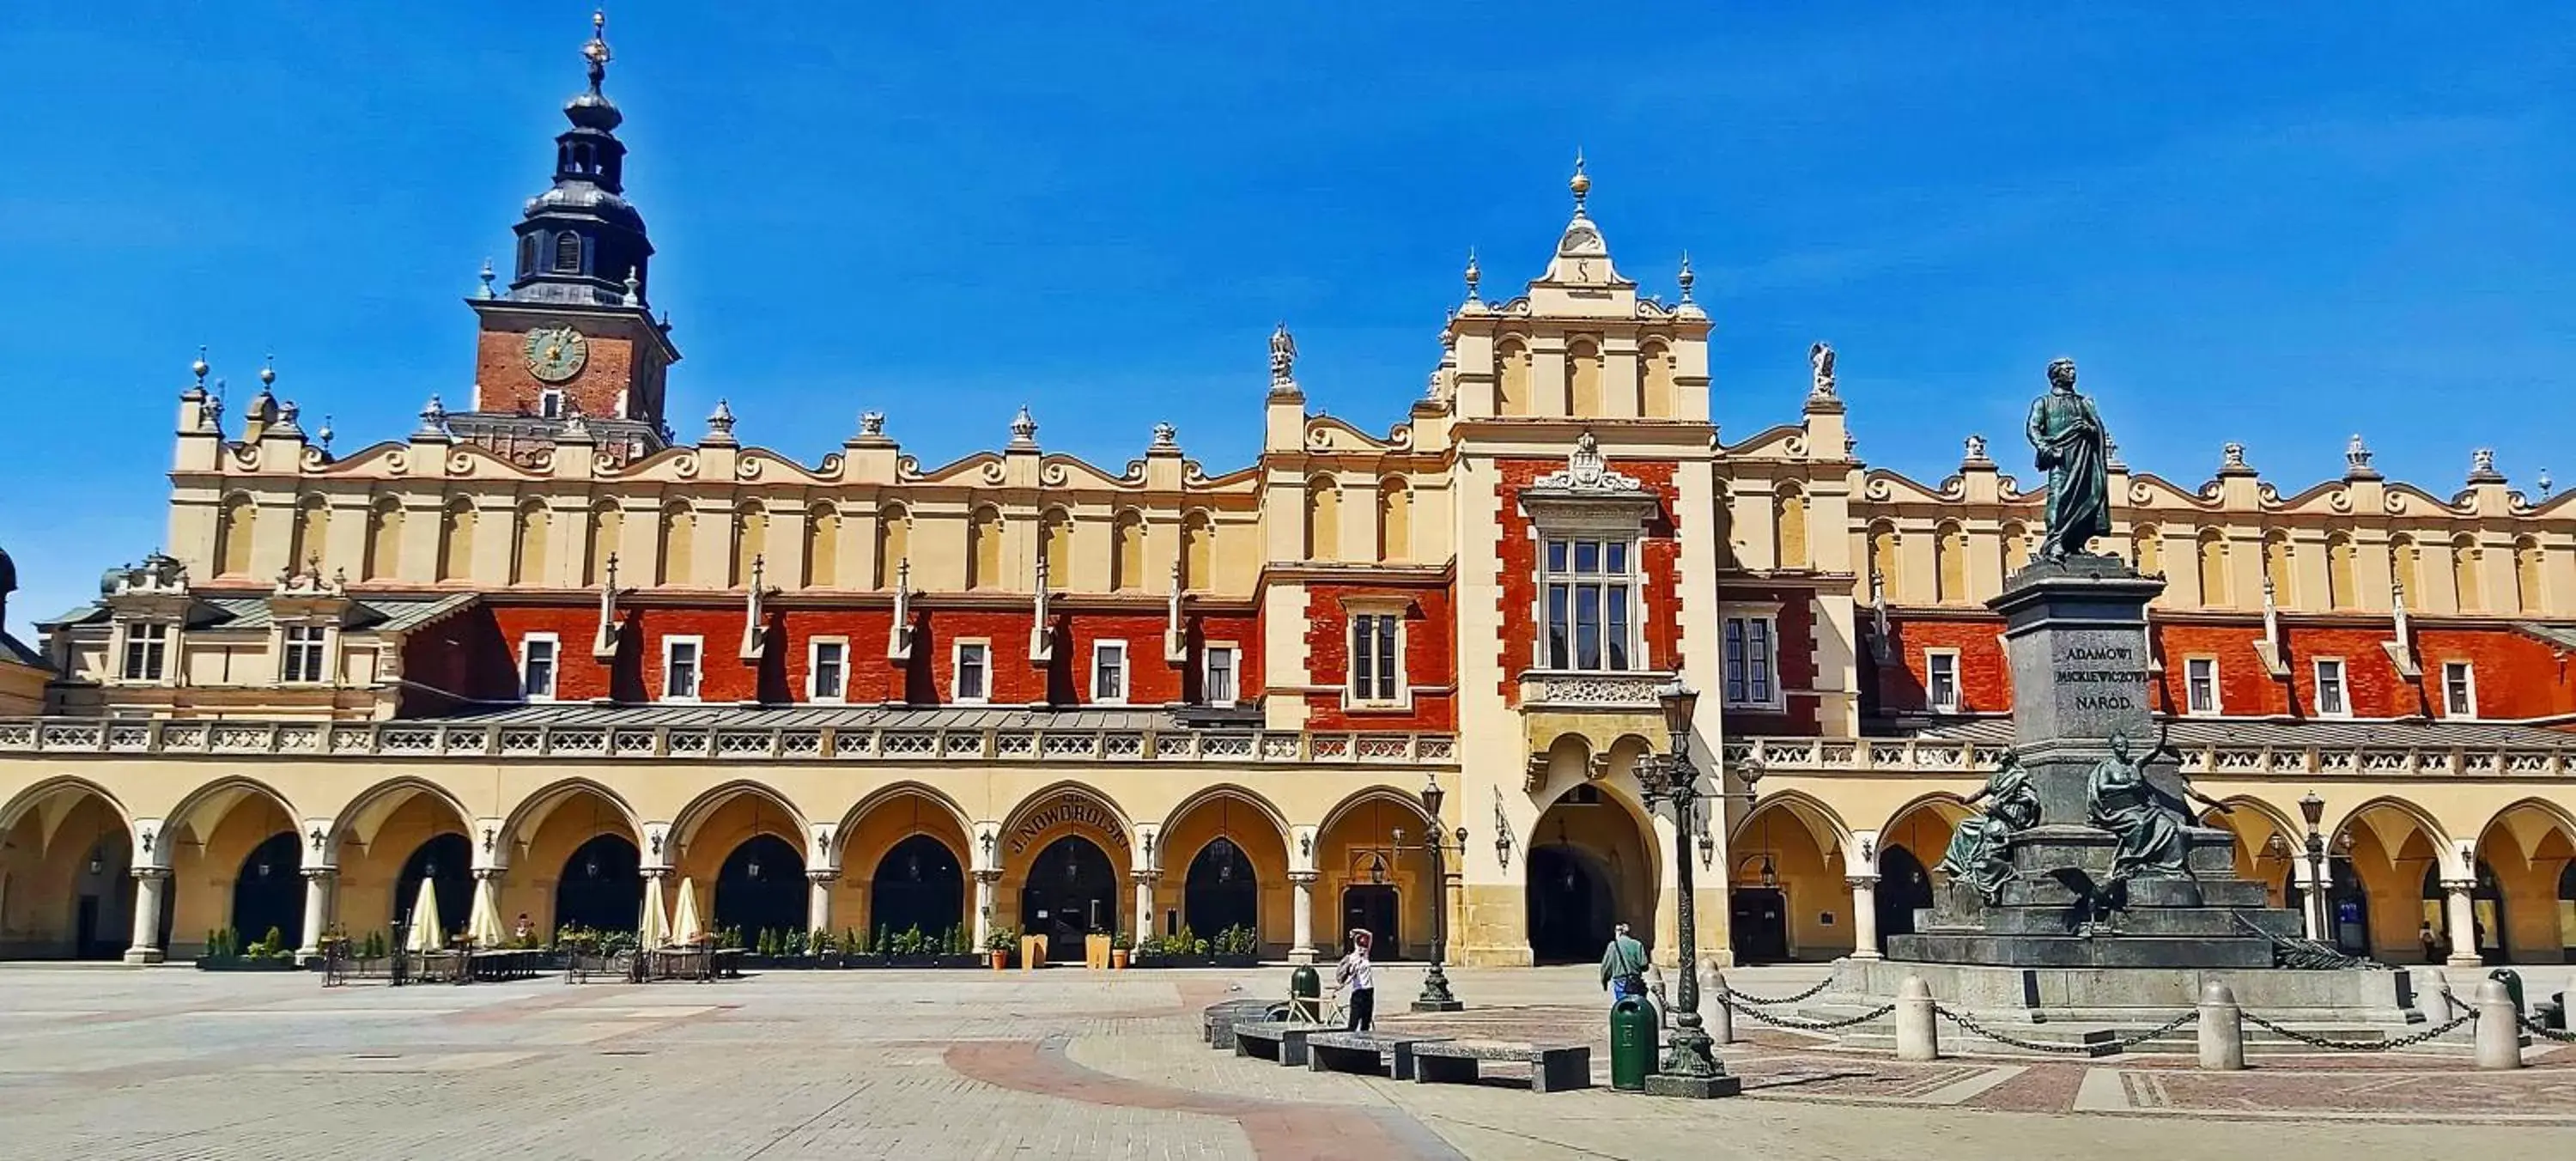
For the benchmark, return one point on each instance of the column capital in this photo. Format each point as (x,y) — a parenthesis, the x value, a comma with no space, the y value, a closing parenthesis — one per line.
(488,874)
(2459,886)
(988,876)
(151,872)
(1861,882)
(1147,878)
(323,872)
(822,874)
(1304,878)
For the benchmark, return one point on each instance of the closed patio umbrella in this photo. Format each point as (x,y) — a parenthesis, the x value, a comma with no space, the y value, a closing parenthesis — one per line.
(485,926)
(427,933)
(655,930)
(685,928)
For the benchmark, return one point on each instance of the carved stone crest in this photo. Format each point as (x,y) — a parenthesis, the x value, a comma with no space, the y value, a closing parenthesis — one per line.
(1586,471)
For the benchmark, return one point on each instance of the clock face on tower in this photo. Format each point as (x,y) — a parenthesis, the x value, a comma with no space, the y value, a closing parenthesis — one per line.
(556,354)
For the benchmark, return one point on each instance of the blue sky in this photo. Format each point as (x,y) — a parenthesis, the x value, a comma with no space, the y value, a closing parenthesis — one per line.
(2279,228)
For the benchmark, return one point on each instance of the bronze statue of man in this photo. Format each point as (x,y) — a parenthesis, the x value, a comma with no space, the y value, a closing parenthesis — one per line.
(2074,451)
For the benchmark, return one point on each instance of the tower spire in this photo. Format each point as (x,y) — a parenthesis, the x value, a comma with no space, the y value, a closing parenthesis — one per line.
(580,241)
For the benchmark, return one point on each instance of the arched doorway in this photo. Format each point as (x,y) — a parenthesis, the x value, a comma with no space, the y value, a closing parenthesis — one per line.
(601,887)
(1569,903)
(268,894)
(1904,887)
(2567,912)
(66,881)
(446,862)
(1590,868)
(1071,892)
(1222,891)
(761,888)
(1789,892)
(917,884)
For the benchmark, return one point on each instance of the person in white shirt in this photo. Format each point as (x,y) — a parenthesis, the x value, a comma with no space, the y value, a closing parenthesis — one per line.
(1358,974)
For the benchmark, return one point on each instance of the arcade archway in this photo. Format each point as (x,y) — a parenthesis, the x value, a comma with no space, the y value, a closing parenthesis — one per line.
(1363,882)
(1235,872)
(1071,892)
(601,886)
(1221,891)
(2529,852)
(1590,867)
(268,894)
(445,862)
(1789,893)
(917,884)
(761,888)
(2390,851)
(1904,887)
(66,876)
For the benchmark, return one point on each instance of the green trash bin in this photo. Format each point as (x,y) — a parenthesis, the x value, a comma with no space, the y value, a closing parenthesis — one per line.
(1305,995)
(2512,981)
(1633,1041)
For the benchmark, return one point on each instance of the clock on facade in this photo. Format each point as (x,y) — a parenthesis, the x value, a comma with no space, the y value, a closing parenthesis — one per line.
(556,353)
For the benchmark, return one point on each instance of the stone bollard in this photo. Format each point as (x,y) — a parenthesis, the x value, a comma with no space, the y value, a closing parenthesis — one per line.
(2222,1029)
(2499,1027)
(1716,1014)
(1917,1037)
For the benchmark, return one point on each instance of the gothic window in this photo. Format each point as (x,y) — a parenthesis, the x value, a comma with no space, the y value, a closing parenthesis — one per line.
(750,541)
(822,547)
(984,549)
(527,255)
(528,566)
(1583,376)
(1950,563)
(1323,519)
(1198,540)
(456,541)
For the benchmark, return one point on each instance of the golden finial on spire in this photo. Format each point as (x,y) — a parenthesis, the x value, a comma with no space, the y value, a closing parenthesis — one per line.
(1582,182)
(596,52)
(1686,278)
(1475,274)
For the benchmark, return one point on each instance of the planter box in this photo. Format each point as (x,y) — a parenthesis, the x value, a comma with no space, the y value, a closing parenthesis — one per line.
(1168,960)
(236,963)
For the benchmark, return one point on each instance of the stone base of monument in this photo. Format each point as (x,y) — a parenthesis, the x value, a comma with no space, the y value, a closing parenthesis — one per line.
(2051,913)
(2096,1007)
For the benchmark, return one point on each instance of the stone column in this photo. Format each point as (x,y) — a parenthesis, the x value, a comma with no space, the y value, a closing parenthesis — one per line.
(818,899)
(2464,920)
(317,910)
(1145,904)
(984,882)
(1301,948)
(1864,896)
(149,883)
(2312,902)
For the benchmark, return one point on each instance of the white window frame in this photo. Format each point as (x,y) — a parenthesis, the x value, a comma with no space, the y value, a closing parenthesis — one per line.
(2342,687)
(1126,672)
(2217,699)
(164,633)
(288,648)
(1353,696)
(1234,673)
(814,690)
(697,669)
(1630,582)
(2469,680)
(550,403)
(554,666)
(1931,701)
(957,671)
(1769,616)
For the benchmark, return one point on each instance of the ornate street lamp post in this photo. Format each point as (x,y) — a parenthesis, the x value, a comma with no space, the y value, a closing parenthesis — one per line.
(1436,996)
(2313,809)
(1689,1069)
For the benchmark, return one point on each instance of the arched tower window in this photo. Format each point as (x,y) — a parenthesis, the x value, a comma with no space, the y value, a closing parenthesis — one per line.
(984,549)
(1583,376)
(384,540)
(822,547)
(2526,576)
(2212,550)
(750,541)
(2339,588)
(233,534)
(456,540)
(1323,519)
(1198,551)
(568,253)
(1127,551)
(1055,547)
(1394,520)
(607,527)
(894,542)
(1512,378)
(527,255)
(1950,548)
(1655,381)
(1789,518)
(2464,574)
(528,558)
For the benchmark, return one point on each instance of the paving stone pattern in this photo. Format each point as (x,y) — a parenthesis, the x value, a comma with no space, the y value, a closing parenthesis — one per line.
(105,1063)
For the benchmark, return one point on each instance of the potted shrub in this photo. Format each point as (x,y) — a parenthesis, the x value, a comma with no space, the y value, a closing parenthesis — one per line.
(1237,946)
(1118,951)
(997,947)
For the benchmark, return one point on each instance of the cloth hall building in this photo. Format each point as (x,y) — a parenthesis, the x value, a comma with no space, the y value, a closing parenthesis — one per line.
(542,649)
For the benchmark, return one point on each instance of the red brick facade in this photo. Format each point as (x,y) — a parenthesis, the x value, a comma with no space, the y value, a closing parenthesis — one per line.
(1429,659)
(1659,558)
(1796,670)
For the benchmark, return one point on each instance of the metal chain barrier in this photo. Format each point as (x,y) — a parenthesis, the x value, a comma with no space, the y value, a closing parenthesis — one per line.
(2546,1032)
(1795,1024)
(2119,1044)
(1810,993)
(2407,1041)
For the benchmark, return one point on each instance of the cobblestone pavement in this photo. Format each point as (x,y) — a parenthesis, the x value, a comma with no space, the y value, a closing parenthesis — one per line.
(113,1063)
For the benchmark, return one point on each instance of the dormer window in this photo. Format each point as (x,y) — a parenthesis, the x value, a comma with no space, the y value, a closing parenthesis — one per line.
(147,650)
(568,252)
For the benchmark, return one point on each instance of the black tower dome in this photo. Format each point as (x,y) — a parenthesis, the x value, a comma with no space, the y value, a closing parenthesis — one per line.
(581,242)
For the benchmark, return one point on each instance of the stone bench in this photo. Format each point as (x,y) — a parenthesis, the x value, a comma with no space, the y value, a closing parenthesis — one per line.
(1553,1068)
(1375,1053)
(1217,1021)
(1276,1040)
